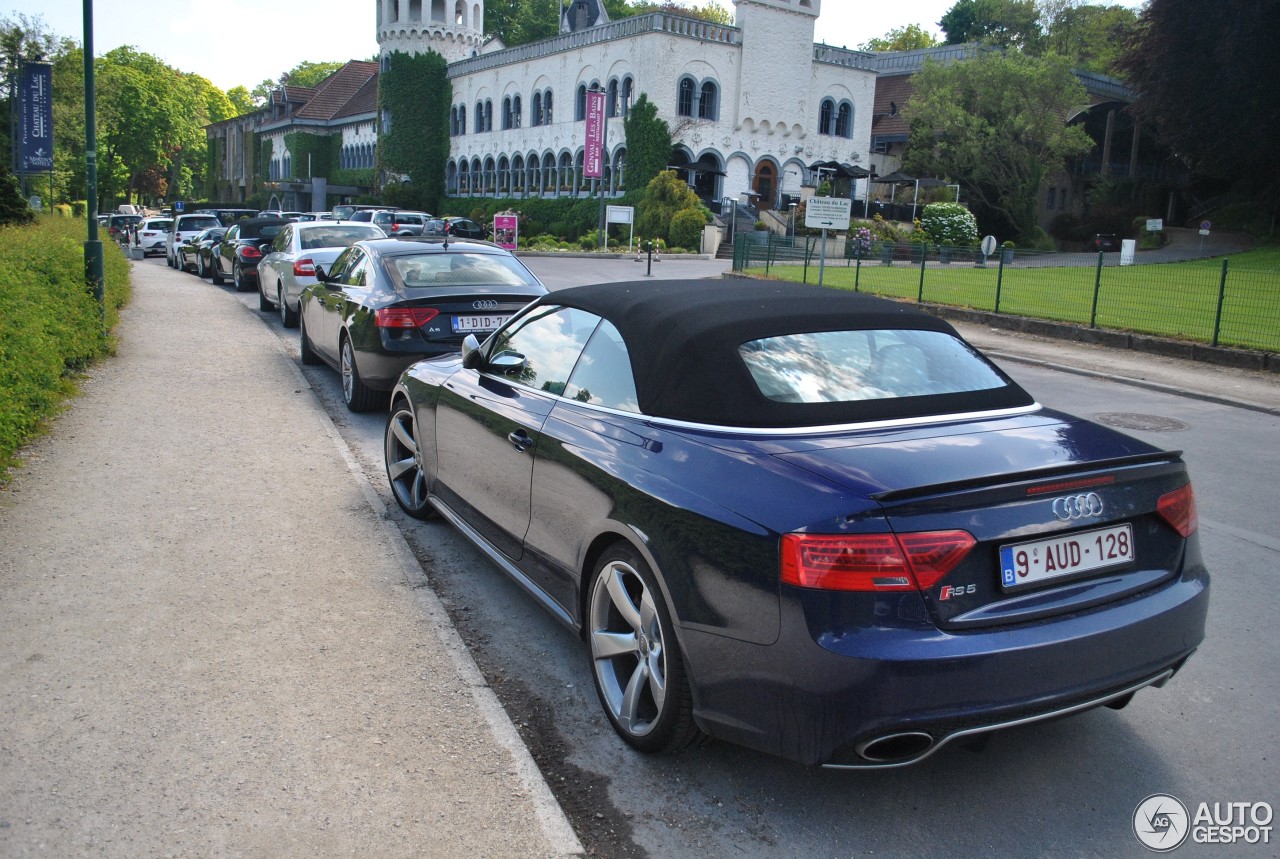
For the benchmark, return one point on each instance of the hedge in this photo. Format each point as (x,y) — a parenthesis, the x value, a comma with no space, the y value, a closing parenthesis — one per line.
(50,325)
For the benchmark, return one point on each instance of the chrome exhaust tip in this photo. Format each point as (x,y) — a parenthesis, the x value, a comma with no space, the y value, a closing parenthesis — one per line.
(896,748)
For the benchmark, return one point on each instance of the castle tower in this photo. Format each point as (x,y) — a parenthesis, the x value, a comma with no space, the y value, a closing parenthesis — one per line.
(777,53)
(452,28)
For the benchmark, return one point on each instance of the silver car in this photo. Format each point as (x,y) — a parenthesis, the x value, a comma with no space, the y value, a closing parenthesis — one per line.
(290,265)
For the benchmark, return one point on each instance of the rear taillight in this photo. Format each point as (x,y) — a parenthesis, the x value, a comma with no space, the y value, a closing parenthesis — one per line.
(305,267)
(404,317)
(1178,508)
(872,562)
(250,252)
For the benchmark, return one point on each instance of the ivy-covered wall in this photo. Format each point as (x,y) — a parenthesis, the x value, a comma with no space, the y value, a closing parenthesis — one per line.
(415,92)
(313,154)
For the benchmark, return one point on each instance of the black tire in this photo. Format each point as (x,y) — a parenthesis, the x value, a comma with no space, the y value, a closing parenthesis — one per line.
(305,352)
(201,271)
(288,316)
(237,278)
(215,274)
(405,472)
(264,305)
(358,396)
(632,646)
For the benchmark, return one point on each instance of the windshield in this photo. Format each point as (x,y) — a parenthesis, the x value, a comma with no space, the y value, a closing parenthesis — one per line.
(459,269)
(847,366)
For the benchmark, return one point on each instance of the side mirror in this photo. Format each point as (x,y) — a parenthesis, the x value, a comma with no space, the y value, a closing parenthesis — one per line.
(507,362)
(471,356)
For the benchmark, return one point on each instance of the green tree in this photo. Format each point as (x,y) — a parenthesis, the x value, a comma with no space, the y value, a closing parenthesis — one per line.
(996,123)
(1004,23)
(13,207)
(664,197)
(648,143)
(1093,37)
(1206,80)
(241,100)
(912,37)
(518,22)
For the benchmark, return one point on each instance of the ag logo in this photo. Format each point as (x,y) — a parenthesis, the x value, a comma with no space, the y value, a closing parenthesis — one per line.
(1161,823)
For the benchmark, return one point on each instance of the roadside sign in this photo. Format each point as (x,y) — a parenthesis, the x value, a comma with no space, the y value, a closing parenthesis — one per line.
(1204,228)
(1155,225)
(988,246)
(619,214)
(827,213)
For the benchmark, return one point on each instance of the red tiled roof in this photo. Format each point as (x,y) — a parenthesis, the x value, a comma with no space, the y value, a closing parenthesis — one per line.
(337,91)
(364,101)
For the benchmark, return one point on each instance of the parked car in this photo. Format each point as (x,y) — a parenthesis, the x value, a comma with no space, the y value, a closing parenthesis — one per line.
(389,302)
(315,216)
(812,522)
(1104,242)
(152,233)
(197,254)
(464,228)
(237,255)
(290,264)
(230,216)
(345,211)
(186,227)
(401,223)
(118,226)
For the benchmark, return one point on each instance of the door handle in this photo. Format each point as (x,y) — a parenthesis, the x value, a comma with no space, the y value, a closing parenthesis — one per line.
(520,440)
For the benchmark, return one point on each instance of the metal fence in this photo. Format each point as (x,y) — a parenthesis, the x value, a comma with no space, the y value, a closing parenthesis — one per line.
(1204,300)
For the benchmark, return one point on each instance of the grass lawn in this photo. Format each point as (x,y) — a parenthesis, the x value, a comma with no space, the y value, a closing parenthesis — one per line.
(1177,300)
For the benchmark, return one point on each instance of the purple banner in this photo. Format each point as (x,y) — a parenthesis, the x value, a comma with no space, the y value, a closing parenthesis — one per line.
(593,157)
(36,132)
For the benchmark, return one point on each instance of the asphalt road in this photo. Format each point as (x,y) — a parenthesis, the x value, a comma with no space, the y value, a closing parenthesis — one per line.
(1067,788)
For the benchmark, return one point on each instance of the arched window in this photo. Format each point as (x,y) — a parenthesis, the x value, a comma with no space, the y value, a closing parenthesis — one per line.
(708,101)
(580,111)
(506,112)
(546,108)
(684,97)
(288,167)
(488,115)
(844,120)
(462,119)
(826,116)
(628,89)
(515,112)
(611,101)
(535,118)
(479,117)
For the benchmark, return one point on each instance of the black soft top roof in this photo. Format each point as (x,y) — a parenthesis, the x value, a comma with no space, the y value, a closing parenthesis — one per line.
(683,338)
(251,228)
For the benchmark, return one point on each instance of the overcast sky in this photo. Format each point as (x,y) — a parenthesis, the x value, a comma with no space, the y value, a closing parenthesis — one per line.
(241,43)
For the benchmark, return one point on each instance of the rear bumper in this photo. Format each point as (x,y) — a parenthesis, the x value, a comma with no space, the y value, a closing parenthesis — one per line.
(818,698)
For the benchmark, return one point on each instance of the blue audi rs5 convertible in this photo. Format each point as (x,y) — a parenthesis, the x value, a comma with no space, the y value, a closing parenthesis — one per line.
(810,522)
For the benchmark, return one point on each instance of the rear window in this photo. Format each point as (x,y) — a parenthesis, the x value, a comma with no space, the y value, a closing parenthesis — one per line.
(162,226)
(263,231)
(455,269)
(196,224)
(337,236)
(852,366)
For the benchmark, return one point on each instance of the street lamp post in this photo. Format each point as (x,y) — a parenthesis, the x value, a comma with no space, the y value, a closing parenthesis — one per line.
(94,263)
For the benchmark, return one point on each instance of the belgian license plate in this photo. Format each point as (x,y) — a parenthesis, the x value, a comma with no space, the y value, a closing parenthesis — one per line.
(477,322)
(1082,552)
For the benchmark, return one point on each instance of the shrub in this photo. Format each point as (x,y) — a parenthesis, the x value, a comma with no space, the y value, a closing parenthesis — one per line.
(50,326)
(949,224)
(686,229)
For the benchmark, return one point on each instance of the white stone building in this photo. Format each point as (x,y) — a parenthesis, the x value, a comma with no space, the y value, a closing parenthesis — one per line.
(750,106)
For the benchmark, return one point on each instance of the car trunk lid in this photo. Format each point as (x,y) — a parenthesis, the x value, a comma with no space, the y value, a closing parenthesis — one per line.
(1064,512)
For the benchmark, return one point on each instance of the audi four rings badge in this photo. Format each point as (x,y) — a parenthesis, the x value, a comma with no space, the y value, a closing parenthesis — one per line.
(1077,506)
(486,304)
